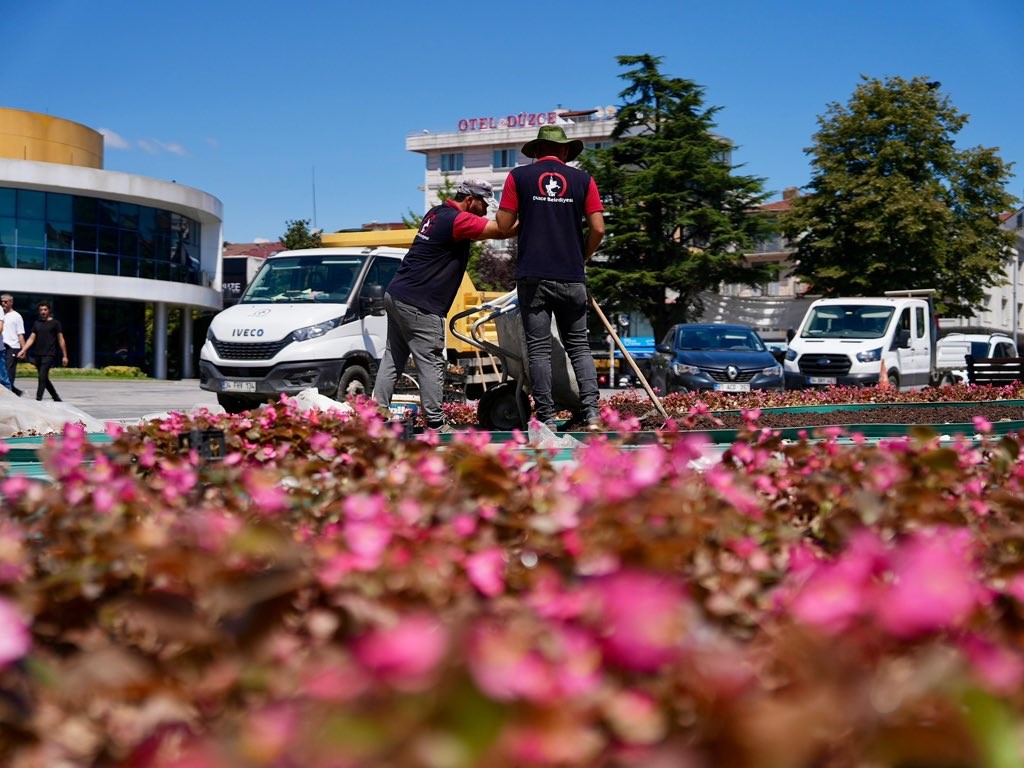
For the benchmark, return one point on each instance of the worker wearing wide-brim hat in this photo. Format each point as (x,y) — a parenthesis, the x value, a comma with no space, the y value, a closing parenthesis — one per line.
(561,224)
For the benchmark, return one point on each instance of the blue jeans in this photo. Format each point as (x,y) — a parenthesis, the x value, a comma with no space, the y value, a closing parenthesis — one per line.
(539,301)
(4,378)
(411,331)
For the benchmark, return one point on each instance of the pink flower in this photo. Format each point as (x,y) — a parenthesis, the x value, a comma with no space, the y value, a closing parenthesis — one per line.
(368,540)
(834,594)
(486,571)
(999,667)
(15,640)
(505,666)
(265,492)
(934,585)
(405,655)
(642,618)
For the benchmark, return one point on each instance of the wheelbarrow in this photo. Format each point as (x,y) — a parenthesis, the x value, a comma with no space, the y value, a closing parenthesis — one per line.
(506,406)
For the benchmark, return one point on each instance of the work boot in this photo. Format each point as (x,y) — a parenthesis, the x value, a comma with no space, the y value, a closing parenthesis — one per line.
(592,419)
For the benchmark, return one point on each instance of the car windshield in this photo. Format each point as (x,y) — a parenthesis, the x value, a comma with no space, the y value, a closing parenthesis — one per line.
(719,338)
(304,279)
(847,321)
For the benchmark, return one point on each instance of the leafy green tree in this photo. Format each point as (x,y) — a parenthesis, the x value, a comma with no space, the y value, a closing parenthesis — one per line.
(678,216)
(298,236)
(893,204)
(492,270)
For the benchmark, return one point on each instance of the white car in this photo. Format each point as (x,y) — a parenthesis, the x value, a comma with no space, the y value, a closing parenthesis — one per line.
(953,349)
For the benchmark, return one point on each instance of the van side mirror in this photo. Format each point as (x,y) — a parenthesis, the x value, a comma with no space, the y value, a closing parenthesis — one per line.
(371,301)
(664,349)
(903,339)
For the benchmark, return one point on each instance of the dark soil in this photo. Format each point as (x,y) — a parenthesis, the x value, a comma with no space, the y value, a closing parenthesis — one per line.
(883,414)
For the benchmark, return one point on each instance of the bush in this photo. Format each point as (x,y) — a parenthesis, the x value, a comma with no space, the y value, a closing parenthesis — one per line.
(123,371)
(114,371)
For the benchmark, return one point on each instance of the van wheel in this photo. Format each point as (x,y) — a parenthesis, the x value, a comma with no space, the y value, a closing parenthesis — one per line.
(355,380)
(894,379)
(233,404)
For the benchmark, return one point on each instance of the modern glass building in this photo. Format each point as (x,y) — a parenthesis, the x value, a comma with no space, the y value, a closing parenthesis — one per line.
(104,247)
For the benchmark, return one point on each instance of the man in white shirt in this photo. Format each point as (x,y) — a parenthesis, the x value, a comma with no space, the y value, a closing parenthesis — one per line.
(14,338)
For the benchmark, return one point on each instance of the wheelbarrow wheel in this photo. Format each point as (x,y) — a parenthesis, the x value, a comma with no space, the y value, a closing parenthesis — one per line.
(499,411)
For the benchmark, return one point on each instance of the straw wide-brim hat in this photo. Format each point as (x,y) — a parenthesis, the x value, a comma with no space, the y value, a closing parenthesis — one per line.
(555,135)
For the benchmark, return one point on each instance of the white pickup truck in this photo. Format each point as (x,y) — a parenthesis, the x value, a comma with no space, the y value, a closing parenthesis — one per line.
(954,347)
(858,341)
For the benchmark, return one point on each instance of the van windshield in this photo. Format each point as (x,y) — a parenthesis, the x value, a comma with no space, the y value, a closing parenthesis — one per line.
(847,321)
(304,280)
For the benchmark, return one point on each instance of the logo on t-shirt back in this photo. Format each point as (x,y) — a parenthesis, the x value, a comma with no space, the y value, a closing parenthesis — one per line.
(552,187)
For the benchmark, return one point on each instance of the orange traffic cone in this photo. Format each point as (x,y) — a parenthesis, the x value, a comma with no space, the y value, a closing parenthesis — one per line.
(883,377)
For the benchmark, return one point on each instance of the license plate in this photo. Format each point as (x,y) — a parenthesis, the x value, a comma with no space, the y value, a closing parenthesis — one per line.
(821,379)
(238,386)
(733,386)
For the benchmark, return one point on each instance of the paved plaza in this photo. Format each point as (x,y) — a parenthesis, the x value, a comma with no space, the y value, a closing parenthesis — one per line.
(126,399)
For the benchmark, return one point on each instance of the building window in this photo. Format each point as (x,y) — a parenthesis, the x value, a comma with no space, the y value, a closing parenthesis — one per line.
(597,145)
(451,161)
(505,158)
(58,232)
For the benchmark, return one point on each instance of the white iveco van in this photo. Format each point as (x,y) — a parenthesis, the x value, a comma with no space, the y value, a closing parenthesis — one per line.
(309,319)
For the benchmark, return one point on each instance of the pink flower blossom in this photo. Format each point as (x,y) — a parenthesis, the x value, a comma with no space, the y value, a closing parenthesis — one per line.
(1000,668)
(934,585)
(834,594)
(486,571)
(642,618)
(265,492)
(405,655)
(505,666)
(15,639)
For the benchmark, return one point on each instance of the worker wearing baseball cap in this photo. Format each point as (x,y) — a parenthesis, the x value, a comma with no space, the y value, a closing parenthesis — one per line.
(423,290)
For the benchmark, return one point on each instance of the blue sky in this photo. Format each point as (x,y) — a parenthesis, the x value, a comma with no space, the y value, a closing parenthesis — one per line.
(253,101)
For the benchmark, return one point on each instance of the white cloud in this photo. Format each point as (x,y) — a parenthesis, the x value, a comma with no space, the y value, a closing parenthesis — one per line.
(260,240)
(155,147)
(112,140)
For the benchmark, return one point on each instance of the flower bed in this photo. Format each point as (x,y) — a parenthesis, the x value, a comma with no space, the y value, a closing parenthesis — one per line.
(329,594)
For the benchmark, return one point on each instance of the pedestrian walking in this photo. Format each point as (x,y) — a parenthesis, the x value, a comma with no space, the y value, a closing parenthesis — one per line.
(47,337)
(561,223)
(13,338)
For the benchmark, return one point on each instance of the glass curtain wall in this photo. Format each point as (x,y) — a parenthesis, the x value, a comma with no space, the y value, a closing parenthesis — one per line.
(76,233)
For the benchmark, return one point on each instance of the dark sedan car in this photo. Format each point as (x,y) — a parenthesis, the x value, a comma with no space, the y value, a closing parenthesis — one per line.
(726,358)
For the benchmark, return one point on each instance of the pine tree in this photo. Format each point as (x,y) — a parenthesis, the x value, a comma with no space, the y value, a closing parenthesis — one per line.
(679,217)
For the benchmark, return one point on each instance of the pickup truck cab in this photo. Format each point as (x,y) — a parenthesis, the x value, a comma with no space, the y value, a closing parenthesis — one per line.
(954,347)
(310,318)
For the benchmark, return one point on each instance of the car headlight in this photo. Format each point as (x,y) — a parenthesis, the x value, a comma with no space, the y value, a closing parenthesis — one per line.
(775,370)
(870,356)
(209,334)
(681,369)
(315,331)
(791,354)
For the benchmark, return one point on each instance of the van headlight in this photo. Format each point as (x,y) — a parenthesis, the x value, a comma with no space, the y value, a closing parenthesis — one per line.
(682,369)
(870,356)
(775,370)
(315,331)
